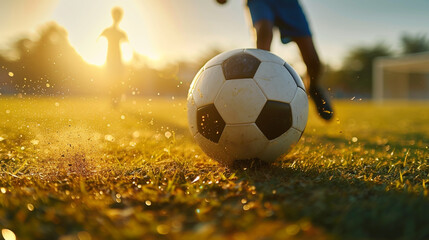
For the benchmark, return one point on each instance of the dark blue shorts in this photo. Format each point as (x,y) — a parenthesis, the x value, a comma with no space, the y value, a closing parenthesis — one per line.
(287,15)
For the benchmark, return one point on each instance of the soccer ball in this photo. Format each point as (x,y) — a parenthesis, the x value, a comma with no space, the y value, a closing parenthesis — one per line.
(247,104)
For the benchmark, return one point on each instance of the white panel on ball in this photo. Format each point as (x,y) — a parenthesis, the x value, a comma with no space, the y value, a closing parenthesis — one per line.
(299,106)
(264,56)
(219,59)
(192,115)
(280,145)
(240,101)
(276,82)
(213,150)
(194,81)
(243,141)
(295,75)
(208,85)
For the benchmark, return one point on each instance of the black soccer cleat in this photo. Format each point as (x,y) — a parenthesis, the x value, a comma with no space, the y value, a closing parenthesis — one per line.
(322,102)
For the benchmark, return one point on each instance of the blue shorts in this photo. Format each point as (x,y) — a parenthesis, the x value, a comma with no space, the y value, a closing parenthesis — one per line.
(287,15)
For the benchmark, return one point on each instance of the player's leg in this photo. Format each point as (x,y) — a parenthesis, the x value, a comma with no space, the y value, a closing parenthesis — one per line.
(263,21)
(264,34)
(314,70)
(310,58)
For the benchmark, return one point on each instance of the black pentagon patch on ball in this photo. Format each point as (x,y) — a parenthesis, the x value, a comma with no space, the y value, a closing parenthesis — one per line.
(274,119)
(239,66)
(295,76)
(210,123)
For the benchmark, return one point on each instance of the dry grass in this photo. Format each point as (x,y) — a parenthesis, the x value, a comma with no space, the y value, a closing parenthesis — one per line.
(77,169)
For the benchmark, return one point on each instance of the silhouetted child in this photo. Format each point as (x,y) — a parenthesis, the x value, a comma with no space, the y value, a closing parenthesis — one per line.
(289,18)
(115,69)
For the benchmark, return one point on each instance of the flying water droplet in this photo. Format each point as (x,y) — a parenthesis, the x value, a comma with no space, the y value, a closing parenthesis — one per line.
(167,134)
(136,134)
(109,138)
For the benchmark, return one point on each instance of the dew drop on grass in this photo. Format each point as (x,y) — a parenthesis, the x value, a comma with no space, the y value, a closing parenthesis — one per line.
(3,190)
(148,203)
(1,139)
(196,179)
(163,229)
(30,207)
(354,139)
(11,74)
(8,234)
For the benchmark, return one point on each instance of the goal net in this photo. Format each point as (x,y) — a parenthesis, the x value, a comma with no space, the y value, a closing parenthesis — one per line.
(399,78)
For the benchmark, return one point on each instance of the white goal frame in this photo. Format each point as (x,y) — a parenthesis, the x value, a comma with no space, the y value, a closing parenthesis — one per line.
(402,66)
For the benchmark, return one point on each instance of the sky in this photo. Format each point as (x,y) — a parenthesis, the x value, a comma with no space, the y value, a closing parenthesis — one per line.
(170,30)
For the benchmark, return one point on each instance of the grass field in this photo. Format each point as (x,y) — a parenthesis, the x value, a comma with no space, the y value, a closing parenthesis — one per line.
(76,169)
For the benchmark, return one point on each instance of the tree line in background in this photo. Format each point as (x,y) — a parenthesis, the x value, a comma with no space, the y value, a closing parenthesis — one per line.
(50,66)
(354,78)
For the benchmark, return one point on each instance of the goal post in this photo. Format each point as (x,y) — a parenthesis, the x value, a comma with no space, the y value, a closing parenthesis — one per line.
(402,77)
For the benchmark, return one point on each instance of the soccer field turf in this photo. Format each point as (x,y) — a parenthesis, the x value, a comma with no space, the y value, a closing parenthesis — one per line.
(75,168)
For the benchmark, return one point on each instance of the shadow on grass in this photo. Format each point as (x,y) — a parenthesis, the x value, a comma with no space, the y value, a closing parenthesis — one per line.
(345,207)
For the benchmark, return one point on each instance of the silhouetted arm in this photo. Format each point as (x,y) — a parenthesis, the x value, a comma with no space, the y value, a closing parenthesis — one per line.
(102,34)
(125,37)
